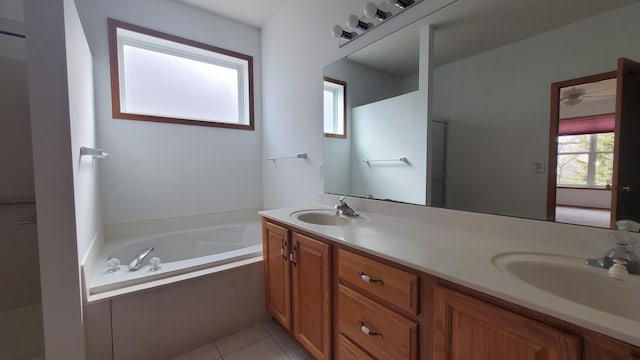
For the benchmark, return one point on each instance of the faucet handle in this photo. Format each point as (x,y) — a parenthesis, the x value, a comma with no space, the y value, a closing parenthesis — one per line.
(619,270)
(342,200)
(154,263)
(113,264)
(628,225)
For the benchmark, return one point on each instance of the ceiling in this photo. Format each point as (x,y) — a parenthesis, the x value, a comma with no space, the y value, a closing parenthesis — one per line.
(468,27)
(253,12)
(604,90)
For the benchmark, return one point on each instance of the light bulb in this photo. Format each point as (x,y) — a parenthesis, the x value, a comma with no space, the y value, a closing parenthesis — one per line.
(338,32)
(371,11)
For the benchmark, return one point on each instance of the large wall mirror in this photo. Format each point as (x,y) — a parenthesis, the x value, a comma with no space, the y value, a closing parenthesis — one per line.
(510,107)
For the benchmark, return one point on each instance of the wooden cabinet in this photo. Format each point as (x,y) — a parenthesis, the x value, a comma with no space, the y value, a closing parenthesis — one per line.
(385,311)
(311,261)
(377,330)
(470,329)
(349,351)
(397,287)
(298,286)
(377,307)
(276,250)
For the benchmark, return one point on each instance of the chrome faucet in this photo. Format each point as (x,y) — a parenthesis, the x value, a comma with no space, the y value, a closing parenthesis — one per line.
(344,209)
(137,260)
(622,249)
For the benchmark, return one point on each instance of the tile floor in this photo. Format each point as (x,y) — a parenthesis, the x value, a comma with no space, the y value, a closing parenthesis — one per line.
(266,341)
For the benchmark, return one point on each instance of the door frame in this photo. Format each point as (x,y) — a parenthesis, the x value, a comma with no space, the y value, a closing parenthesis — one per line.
(554,124)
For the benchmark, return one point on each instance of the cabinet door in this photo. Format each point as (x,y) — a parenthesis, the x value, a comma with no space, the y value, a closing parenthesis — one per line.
(469,329)
(277,274)
(311,263)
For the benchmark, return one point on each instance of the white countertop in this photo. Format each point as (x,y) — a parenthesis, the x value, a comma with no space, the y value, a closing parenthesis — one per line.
(464,254)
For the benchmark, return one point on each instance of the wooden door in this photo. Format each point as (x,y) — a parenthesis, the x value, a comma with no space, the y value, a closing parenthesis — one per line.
(625,199)
(277,273)
(469,329)
(311,263)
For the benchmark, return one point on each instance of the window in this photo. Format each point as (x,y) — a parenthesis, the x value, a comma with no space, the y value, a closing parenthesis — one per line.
(335,109)
(164,78)
(585,160)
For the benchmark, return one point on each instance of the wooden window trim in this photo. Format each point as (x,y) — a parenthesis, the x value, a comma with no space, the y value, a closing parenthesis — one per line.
(344,108)
(113,25)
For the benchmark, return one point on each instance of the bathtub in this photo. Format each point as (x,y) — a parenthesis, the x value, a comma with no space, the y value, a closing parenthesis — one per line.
(180,253)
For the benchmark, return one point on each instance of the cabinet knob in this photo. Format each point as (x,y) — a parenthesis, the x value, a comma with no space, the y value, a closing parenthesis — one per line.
(366,278)
(282,250)
(367,331)
(292,255)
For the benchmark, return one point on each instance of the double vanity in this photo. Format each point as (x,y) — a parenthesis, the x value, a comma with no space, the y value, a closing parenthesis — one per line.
(380,287)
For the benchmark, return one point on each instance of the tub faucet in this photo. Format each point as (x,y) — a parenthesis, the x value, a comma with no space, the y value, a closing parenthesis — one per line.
(344,209)
(136,262)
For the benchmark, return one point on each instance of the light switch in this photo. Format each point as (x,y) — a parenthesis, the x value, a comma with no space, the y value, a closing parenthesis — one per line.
(537,168)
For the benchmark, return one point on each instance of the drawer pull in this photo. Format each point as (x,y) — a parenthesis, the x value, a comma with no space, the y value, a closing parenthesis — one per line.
(368,279)
(368,331)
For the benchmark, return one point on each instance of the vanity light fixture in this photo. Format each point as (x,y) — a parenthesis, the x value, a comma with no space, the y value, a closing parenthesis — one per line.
(360,25)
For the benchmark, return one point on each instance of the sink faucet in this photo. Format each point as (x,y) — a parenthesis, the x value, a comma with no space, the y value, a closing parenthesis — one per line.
(137,260)
(622,249)
(344,209)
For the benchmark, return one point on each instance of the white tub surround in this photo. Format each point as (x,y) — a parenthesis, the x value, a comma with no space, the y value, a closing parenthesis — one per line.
(460,247)
(153,226)
(171,319)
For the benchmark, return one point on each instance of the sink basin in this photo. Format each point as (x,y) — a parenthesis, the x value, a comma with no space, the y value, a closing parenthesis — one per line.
(323,217)
(571,279)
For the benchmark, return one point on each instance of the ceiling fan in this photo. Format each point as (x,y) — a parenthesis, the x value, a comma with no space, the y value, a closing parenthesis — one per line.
(575,96)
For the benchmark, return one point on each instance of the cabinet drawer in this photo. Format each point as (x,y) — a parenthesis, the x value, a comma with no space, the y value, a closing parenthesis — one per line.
(350,351)
(396,286)
(391,335)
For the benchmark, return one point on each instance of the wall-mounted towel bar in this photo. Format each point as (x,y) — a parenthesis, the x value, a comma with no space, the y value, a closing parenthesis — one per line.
(17,202)
(96,153)
(297,156)
(402,159)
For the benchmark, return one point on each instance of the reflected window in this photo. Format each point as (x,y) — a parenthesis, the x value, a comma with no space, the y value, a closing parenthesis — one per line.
(585,160)
(335,112)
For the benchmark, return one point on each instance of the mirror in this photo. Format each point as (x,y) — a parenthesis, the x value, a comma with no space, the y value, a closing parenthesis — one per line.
(487,146)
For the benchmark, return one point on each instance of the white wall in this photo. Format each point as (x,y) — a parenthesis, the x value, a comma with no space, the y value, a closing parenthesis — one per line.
(18,243)
(161,170)
(364,85)
(16,159)
(391,129)
(584,198)
(47,21)
(12,47)
(296,47)
(492,147)
(82,122)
